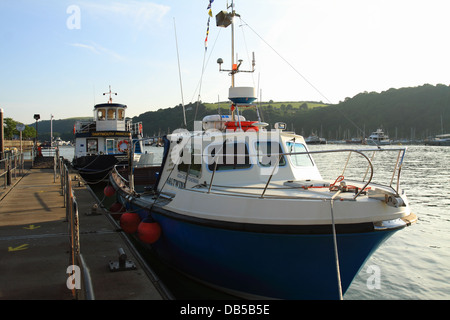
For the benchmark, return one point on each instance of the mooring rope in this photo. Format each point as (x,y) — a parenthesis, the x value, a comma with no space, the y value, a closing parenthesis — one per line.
(336,255)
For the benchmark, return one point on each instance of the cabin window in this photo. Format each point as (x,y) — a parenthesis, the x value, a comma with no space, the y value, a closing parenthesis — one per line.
(101,114)
(91,145)
(230,156)
(299,160)
(111,114)
(194,169)
(191,162)
(120,114)
(264,152)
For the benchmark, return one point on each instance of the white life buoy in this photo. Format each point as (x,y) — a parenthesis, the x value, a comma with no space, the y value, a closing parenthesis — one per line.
(122,146)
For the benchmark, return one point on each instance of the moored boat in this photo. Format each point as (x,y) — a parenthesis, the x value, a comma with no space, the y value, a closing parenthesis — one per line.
(314,139)
(105,141)
(246,210)
(439,140)
(378,138)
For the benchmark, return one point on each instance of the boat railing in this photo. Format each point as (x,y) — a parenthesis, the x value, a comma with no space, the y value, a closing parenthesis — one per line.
(85,126)
(366,168)
(134,127)
(369,170)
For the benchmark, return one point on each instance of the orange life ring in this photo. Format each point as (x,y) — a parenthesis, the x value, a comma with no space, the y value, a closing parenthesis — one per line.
(120,144)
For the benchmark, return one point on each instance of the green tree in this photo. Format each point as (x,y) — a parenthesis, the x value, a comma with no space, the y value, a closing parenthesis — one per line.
(10,129)
(29,132)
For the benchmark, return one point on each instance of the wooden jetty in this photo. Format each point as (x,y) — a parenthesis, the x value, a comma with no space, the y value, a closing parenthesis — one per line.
(36,245)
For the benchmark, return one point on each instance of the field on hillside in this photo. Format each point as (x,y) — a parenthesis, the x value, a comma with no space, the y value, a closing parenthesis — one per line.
(286,105)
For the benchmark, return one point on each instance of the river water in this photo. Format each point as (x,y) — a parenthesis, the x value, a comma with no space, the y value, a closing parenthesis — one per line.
(415,262)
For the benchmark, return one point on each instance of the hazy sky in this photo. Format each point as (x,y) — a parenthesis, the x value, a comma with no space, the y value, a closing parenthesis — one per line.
(58,57)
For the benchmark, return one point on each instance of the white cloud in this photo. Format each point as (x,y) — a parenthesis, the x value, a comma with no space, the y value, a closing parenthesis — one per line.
(98,49)
(140,14)
(85,46)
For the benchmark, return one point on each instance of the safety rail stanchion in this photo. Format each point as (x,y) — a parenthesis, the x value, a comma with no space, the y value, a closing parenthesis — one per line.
(3,161)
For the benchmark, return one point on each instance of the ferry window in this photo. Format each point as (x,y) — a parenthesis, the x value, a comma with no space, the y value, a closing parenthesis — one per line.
(111,114)
(230,156)
(299,160)
(92,145)
(264,152)
(120,114)
(101,114)
(110,144)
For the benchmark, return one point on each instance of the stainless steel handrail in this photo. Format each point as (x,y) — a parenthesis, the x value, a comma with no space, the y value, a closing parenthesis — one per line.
(358,151)
(361,152)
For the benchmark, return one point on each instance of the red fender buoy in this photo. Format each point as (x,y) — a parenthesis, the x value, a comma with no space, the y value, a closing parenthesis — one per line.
(109,191)
(149,232)
(129,222)
(117,207)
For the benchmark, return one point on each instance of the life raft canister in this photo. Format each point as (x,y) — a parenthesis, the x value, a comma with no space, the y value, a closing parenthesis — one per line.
(244,125)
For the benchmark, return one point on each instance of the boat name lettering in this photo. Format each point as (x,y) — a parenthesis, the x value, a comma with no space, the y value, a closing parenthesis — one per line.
(191,179)
(109,133)
(176,183)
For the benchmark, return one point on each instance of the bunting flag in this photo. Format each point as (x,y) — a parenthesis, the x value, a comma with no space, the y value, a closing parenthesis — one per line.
(209,18)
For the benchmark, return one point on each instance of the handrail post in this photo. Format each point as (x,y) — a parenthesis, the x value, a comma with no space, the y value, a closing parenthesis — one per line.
(215,166)
(346,163)
(395,170)
(367,170)
(271,175)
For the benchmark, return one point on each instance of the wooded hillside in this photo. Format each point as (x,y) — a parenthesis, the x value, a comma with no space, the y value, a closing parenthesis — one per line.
(414,112)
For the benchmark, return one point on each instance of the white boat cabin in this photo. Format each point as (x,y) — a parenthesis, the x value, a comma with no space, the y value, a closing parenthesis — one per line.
(236,157)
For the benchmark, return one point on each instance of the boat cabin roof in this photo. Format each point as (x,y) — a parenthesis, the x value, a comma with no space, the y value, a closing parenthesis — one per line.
(109,105)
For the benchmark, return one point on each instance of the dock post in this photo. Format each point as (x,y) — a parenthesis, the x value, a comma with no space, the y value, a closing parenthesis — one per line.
(8,165)
(2,145)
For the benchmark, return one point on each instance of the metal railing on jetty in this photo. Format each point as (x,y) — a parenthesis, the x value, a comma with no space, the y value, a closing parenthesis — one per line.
(11,163)
(76,258)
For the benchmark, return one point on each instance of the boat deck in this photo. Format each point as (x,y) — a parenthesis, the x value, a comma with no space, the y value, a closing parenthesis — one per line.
(319,190)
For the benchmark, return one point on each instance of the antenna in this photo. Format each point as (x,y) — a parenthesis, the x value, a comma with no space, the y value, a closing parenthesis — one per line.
(110,94)
(179,73)
(224,19)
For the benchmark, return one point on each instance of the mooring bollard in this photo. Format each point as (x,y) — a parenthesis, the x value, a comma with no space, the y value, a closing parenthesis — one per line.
(123,264)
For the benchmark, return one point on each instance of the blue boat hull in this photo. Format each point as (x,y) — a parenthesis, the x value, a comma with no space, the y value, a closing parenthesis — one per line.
(262,264)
